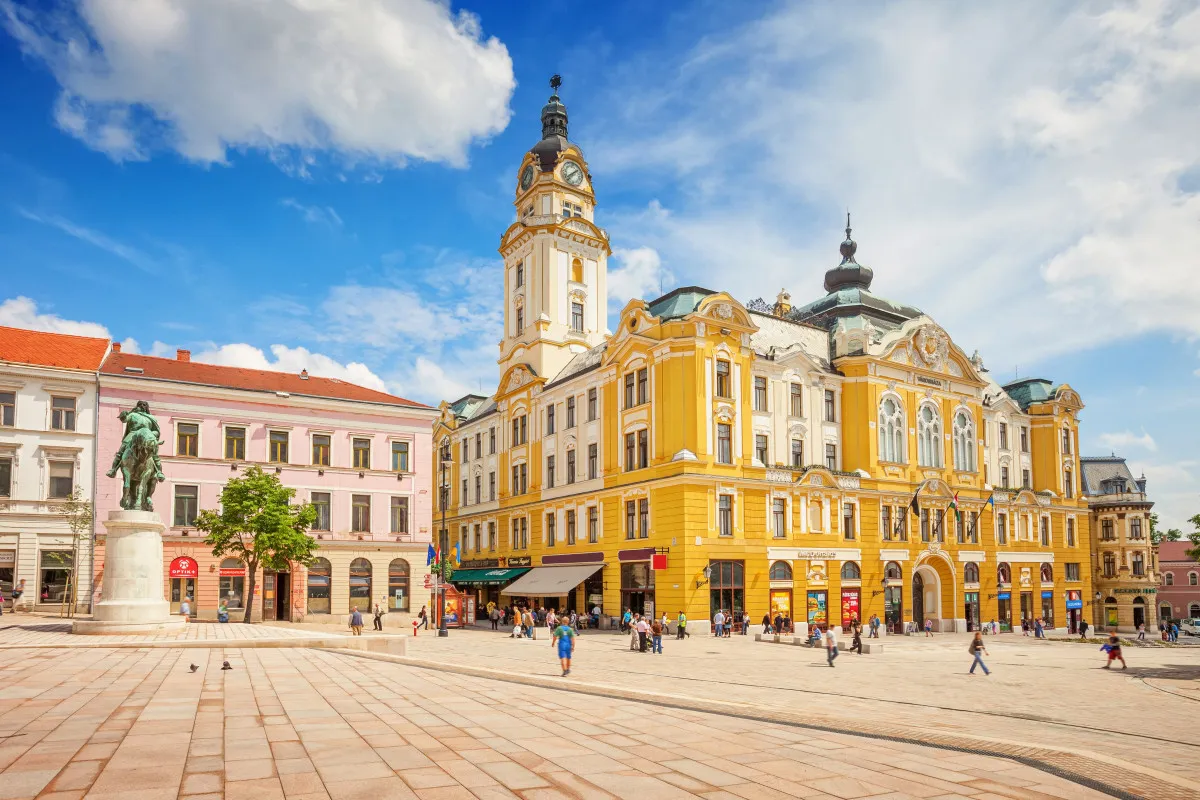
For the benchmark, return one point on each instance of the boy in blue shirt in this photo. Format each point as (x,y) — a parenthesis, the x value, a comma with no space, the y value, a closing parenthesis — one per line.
(564,637)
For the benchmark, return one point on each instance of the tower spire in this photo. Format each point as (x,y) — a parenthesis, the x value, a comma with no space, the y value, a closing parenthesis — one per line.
(849,274)
(554,113)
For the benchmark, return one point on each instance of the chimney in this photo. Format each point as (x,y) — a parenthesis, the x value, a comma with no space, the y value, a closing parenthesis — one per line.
(783,303)
(116,347)
(303,374)
(183,355)
(1141,483)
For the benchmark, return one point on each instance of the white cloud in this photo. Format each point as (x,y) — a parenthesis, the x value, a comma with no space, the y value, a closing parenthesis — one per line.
(1126,439)
(1032,185)
(377,81)
(290,359)
(22,312)
(1174,486)
(636,272)
(314,215)
(95,238)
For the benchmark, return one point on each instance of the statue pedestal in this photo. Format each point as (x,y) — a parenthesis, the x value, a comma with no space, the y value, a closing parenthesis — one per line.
(132,598)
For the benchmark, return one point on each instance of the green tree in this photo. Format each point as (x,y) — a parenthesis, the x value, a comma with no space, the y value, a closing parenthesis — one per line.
(78,511)
(1158,535)
(258,525)
(1194,538)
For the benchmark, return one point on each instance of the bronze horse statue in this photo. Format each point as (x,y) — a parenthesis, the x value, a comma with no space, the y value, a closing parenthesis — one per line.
(137,459)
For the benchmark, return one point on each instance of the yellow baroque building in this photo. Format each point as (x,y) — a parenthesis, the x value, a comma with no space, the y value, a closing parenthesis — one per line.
(838,460)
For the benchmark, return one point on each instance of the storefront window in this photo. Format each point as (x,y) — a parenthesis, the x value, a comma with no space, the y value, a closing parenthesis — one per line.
(728,587)
(850,608)
(320,575)
(1048,609)
(55,575)
(233,583)
(818,612)
(1110,612)
(637,587)
(398,572)
(360,585)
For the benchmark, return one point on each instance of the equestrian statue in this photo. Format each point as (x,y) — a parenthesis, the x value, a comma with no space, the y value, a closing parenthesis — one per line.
(137,459)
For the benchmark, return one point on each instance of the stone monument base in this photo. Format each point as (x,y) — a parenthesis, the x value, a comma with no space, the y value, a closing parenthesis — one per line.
(132,598)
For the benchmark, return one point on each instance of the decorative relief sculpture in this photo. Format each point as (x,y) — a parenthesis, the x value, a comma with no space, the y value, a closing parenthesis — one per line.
(932,346)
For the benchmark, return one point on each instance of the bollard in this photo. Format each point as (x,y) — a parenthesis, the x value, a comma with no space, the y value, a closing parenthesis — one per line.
(416,624)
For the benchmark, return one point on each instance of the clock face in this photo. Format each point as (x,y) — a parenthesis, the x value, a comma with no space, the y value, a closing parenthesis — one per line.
(526,177)
(572,173)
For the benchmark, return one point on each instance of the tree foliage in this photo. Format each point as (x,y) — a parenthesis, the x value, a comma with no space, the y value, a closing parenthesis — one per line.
(258,525)
(1158,535)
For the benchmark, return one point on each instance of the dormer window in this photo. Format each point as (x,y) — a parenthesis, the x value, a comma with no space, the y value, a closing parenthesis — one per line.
(572,210)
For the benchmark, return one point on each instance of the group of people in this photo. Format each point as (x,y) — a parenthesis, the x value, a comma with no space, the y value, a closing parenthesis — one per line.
(724,623)
(648,631)
(526,620)
(1033,625)
(782,623)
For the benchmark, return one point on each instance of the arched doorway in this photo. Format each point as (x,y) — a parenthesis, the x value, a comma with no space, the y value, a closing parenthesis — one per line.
(893,598)
(1139,611)
(918,598)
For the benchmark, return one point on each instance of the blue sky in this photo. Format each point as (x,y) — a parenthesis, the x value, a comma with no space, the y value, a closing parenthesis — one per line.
(325,186)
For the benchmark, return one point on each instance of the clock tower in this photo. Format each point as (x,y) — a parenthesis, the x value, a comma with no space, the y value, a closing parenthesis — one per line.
(555,257)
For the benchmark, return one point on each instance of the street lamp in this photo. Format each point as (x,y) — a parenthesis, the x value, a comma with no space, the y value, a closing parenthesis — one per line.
(443,543)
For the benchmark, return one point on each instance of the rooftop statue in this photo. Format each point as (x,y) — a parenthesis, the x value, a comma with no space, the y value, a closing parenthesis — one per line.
(137,459)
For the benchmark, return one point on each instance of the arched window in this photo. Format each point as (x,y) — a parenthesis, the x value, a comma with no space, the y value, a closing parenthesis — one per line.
(398,572)
(320,575)
(1047,573)
(781,571)
(964,442)
(1194,610)
(851,572)
(971,572)
(233,583)
(892,571)
(1191,579)
(929,437)
(360,585)
(577,270)
(1169,579)
(1003,573)
(891,431)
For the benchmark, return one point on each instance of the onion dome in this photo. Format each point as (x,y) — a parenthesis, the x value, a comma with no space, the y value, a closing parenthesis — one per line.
(554,129)
(849,273)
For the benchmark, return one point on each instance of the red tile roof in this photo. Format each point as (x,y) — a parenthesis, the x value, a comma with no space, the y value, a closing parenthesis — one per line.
(254,380)
(42,349)
(1174,551)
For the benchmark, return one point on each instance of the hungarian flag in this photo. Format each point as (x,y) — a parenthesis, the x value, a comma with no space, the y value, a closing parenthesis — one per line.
(954,505)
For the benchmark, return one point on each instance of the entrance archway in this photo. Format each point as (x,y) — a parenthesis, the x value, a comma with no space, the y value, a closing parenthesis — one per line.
(927,595)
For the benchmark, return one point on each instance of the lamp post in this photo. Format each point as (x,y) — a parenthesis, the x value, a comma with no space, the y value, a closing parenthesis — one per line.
(443,542)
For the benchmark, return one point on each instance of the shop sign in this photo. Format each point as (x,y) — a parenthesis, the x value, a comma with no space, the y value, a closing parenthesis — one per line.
(1005,596)
(185,567)
(658,561)
(1046,594)
(520,561)
(1074,604)
(480,563)
(8,558)
(816,555)
(929,381)
(1135,591)
(234,572)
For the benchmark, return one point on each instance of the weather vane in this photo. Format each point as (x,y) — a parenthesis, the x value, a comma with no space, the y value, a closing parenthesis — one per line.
(555,82)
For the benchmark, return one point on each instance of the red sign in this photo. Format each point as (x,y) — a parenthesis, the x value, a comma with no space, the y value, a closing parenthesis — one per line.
(658,561)
(235,572)
(184,567)
(428,581)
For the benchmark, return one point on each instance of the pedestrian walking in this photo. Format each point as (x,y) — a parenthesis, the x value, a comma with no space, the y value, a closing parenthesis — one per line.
(1083,629)
(356,623)
(856,642)
(423,618)
(185,608)
(831,648)
(564,637)
(1114,651)
(643,632)
(681,622)
(929,626)
(1039,631)
(635,641)
(223,610)
(666,624)
(779,623)
(377,624)
(745,622)
(1174,631)
(656,634)
(1141,630)
(975,648)
(627,619)
(874,625)
(1024,626)
(17,591)
(766,624)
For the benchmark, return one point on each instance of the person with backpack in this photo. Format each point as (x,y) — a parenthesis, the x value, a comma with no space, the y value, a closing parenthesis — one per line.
(975,648)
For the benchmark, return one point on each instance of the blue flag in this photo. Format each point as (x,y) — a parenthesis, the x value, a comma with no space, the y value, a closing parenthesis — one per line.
(991,501)
(432,555)
(457,556)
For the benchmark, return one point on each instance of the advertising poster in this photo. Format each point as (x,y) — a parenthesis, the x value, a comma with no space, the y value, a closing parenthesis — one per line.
(453,609)
(849,606)
(781,602)
(816,608)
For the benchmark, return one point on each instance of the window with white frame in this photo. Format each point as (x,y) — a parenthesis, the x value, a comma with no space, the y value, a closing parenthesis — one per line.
(724,443)
(725,515)
(570,526)
(593,524)
(797,399)
(929,437)
(760,393)
(779,517)
(760,448)
(797,452)
(964,442)
(891,431)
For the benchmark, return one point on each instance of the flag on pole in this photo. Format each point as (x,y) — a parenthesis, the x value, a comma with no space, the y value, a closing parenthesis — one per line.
(916,509)
(457,556)
(954,505)
(991,501)
(431,556)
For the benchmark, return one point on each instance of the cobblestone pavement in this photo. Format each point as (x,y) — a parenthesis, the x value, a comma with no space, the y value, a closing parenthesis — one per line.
(30,630)
(1040,694)
(303,723)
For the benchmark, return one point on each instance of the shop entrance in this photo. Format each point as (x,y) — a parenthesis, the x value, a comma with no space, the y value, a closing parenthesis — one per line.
(1004,611)
(971,610)
(1048,609)
(1139,611)
(637,587)
(276,596)
(6,586)
(1027,608)
(918,599)
(1074,610)
(181,588)
(893,609)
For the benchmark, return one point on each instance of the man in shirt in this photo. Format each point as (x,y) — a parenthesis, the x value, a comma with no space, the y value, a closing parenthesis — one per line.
(718,623)
(682,621)
(831,649)
(564,637)
(643,632)
(356,623)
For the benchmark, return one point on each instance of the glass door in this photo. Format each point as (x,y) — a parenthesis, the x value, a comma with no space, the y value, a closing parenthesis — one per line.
(181,588)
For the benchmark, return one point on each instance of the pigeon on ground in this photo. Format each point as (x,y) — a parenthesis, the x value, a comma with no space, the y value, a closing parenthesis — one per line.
(225,665)
(194,667)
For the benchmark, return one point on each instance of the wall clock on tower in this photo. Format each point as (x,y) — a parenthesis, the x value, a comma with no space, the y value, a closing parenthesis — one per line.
(572,173)
(526,177)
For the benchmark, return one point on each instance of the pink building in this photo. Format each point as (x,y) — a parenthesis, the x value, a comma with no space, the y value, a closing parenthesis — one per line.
(1179,594)
(360,456)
